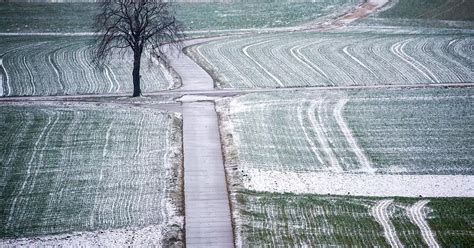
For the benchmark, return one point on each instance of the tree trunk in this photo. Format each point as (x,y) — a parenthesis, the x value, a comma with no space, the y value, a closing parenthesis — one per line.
(136,74)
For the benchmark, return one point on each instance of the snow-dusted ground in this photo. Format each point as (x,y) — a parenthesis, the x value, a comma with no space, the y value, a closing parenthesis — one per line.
(416,215)
(150,236)
(361,184)
(381,214)
(358,58)
(343,142)
(63,66)
(107,176)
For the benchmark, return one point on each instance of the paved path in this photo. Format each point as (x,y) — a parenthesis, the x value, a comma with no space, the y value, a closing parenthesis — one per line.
(193,77)
(208,220)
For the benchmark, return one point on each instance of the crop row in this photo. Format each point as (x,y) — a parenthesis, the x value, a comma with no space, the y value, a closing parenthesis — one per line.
(72,169)
(64,66)
(389,131)
(337,59)
(268,219)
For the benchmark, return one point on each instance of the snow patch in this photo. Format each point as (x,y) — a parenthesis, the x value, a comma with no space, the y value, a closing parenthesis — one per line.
(196,98)
(147,236)
(362,184)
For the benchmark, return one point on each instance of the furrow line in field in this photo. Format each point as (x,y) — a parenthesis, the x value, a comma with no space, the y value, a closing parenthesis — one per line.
(4,72)
(25,120)
(101,174)
(59,185)
(64,66)
(295,51)
(321,136)
(380,212)
(245,51)
(361,157)
(397,50)
(415,212)
(308,139)
(421,45)
(108,71)
(309,59)
(30,76)
(41,153)
(56,70)
(28,172)
(354,58)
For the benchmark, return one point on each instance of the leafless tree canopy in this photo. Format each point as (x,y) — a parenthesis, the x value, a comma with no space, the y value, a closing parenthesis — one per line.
(136,24)
(142,25)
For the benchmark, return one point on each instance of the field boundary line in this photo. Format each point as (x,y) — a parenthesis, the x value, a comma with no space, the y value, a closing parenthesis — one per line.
(233,92)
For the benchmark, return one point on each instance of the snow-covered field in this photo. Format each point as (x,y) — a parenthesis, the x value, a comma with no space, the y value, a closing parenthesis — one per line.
(44,65)
(305,166)
(387,131)
(335,59)
(104,175)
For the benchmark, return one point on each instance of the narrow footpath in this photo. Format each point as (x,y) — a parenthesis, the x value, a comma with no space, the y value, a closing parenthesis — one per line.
(207,211)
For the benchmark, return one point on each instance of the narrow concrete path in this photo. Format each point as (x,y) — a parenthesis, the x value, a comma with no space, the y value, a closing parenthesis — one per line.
(208,220)
(193,77)
(207,211)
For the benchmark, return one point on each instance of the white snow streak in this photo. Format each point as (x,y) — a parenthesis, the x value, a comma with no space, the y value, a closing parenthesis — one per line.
(415,213)
(363,159)
(305,61)
(397,49)
(360,184)
(56,71)
(322,139)
(354,58)
(28,172)
(1,77)
(108,71)
(379,211)
(245,51)
(308,139)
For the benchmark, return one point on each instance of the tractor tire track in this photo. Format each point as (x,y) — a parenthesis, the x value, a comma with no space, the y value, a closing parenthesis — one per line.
(380,213)
(361,157)
(415,213)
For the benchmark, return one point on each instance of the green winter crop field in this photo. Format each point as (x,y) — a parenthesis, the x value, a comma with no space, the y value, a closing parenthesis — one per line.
(80,168)
(342,123)
(337,59)
(398,130)
(370,145)
(79,17)
(270,219)
(47,65)
(423,13)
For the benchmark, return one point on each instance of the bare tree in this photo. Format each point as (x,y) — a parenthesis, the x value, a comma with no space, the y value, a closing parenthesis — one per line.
(139,25)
